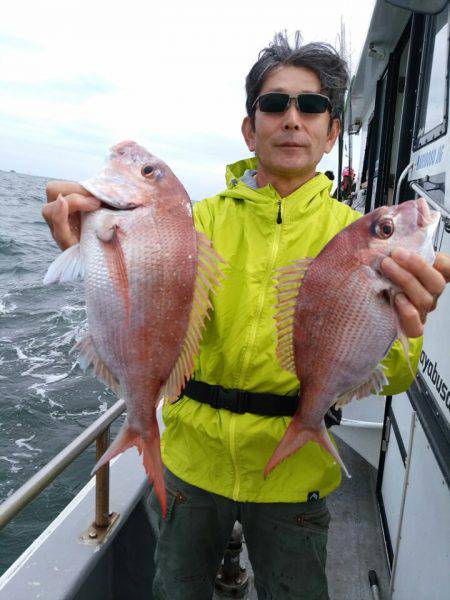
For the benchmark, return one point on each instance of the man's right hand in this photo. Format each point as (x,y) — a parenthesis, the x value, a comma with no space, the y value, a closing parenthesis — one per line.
(65,202)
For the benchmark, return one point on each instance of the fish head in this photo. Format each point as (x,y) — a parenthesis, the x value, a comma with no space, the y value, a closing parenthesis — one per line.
(130,177)
(410,225)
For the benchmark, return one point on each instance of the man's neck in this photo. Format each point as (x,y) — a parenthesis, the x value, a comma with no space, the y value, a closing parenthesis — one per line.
(283,185)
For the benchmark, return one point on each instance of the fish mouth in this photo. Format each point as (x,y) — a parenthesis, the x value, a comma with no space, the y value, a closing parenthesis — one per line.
(109,206)
(107,202)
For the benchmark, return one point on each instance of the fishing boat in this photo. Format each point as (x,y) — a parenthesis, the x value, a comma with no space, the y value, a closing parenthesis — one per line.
(390,533)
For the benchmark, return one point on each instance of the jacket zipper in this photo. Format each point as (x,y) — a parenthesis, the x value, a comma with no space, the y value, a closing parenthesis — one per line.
(279,219)
(247,357)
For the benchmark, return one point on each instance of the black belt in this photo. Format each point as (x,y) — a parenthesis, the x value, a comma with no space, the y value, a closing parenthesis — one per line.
(240,401)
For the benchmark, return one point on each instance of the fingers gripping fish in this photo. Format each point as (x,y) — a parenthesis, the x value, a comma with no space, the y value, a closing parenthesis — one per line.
(148,275)
(336,318)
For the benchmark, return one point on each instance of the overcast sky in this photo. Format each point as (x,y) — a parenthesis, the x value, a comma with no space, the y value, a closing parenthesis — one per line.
(79,76)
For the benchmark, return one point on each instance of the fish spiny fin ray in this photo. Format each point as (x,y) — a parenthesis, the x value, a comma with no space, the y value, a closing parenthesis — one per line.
(207,281)
(373,385)
(288,281)
(67,267)
(88,358)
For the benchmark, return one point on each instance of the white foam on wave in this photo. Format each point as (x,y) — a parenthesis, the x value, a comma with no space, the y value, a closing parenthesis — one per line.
(7,308)
(48,377)
(38,389)
(23,443)
(83,413)
(20,354)
(38,362)
(13,464)
(57,416)
(10,460)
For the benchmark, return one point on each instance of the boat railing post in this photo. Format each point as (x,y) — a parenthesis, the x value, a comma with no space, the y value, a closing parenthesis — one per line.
(102,482)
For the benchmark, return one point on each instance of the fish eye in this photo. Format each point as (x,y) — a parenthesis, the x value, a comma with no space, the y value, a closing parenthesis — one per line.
(384,228)
(147,170)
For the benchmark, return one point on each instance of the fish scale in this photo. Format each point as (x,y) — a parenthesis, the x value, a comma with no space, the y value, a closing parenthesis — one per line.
(336,318)
(148,275)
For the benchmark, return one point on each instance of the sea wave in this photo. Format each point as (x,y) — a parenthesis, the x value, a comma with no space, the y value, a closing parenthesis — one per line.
(10,247)
(7,308)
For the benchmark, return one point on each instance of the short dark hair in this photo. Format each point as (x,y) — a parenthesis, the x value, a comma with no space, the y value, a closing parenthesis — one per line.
(319,57)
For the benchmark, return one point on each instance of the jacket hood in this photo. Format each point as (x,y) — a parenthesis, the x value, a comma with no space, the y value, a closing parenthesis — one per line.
(238,189)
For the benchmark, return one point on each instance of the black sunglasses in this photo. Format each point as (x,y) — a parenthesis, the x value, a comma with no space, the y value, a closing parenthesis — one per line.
(277,102)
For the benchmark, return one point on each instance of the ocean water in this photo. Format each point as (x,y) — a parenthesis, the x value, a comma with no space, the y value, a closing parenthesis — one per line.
(45,399)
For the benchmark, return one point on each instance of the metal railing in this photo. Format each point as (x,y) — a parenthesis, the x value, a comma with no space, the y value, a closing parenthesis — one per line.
(99,432)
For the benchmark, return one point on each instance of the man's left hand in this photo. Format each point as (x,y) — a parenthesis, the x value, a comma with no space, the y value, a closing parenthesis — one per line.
(421,286)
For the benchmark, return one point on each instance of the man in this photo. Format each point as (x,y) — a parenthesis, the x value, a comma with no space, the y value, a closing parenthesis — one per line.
(275,208)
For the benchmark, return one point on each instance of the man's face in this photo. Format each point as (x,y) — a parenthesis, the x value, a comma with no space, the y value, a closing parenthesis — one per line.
(291,143)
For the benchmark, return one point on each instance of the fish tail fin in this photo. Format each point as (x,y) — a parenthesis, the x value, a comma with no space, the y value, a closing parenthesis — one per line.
(151,457)
(126,438)
(149,448)
(295,437)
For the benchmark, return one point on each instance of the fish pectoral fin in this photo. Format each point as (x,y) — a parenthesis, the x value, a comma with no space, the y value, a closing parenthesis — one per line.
(207,281)
(295,437)
(67,267)
(88,358)
(288,281)
(372,385)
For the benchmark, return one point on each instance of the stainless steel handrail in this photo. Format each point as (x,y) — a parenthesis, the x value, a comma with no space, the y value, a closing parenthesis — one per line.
(400,181)
(31,488)
(419,190)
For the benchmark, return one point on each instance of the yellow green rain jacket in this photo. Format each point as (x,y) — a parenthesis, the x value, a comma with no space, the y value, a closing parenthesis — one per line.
(225,452)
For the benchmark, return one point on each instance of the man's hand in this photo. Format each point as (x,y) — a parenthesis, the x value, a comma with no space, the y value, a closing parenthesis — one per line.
(421,283)
(65,201)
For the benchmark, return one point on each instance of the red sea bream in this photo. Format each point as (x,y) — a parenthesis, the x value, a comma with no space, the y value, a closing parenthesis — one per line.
(147,276)
(336,318)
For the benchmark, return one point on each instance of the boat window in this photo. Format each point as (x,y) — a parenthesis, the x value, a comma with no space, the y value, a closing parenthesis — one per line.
(381,118)
(365,169)
(432,121)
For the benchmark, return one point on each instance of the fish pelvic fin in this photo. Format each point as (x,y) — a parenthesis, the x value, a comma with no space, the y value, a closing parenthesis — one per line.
(295,437)
(148,447)
(373,385)
(288,281)
(207,281)
(67,267)
(88,358)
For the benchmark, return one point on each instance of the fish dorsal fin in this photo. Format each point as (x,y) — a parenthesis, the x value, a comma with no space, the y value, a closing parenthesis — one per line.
(68,266)
(373,385)
(208,276)
(288,281)
(88,358)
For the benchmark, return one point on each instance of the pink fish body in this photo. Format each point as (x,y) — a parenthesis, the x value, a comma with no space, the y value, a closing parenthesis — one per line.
(147,278)
(336,318)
